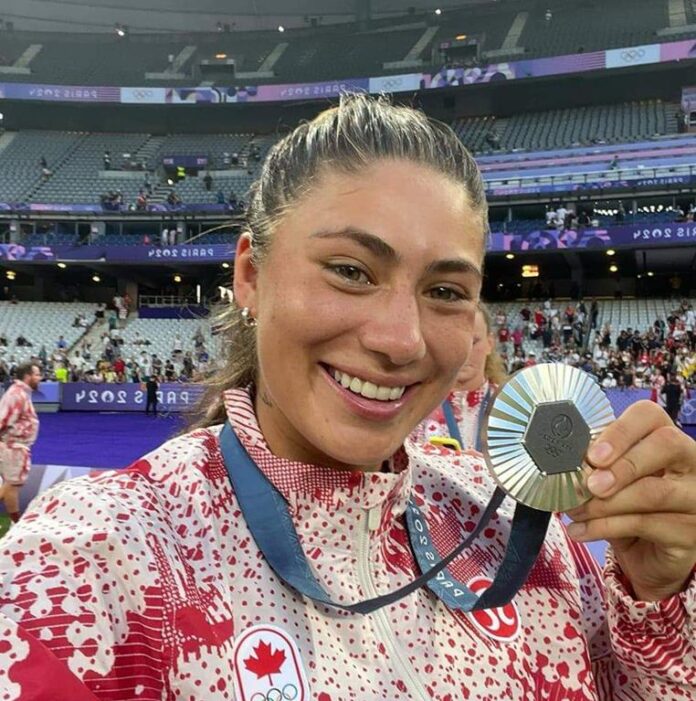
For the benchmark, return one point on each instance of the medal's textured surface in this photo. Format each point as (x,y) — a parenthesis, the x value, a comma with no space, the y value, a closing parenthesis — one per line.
(537,432)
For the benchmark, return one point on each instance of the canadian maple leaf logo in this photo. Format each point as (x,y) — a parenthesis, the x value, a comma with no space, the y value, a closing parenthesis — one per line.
(266,662)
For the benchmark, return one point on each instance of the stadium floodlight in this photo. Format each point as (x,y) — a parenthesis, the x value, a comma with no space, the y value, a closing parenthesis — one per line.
(281,28)
(611,252)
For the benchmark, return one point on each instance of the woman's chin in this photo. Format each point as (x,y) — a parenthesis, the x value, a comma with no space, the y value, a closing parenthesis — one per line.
(367,453)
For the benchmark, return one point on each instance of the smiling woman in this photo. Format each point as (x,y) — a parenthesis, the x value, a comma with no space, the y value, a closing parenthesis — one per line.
(271,552)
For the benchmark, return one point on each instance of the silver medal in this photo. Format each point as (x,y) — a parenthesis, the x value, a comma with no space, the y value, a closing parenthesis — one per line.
(537,431)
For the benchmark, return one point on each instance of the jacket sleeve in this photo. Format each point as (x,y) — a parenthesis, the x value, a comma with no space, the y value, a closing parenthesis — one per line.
(80,607)
(640,650)
(8,410)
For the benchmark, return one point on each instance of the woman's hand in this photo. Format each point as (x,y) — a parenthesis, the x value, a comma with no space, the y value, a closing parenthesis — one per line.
(645,500)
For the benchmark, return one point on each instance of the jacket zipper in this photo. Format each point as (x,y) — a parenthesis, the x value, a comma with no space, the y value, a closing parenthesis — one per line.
(403,668)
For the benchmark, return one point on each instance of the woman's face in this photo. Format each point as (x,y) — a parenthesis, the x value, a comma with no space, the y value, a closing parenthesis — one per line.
(365,306)
(473,373)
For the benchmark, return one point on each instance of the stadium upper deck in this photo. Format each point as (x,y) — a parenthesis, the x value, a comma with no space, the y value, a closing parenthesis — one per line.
(339,51)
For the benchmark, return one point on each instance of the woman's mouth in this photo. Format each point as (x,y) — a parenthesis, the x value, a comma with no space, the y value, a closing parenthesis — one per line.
(366,398)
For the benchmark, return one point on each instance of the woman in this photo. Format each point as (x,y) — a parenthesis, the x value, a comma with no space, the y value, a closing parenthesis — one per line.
(472,392)
(357,284)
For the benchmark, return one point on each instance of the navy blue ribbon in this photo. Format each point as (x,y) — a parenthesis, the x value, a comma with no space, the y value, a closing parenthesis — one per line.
(269,521)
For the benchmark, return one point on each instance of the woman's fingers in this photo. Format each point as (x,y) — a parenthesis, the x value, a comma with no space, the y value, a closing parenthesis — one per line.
(637,422)
(647,495)
(666,449)
(668,530)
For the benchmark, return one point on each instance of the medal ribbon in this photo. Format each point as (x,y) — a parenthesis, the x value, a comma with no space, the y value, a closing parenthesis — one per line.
(269,521)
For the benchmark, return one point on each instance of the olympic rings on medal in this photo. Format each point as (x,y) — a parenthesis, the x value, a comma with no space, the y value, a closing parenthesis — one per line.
(288,693)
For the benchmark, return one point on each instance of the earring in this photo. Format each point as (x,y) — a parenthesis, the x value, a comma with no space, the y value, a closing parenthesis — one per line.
(247,319)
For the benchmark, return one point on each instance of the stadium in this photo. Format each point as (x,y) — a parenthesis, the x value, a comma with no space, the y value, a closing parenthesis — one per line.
(131,136)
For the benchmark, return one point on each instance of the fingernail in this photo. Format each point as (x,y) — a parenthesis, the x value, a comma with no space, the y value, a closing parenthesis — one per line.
(601,481)
(600,452)
(577,530)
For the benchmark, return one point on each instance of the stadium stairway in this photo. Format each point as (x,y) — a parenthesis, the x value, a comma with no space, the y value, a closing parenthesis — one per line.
(6,139)
(92,335)
(148,150)
(58,164)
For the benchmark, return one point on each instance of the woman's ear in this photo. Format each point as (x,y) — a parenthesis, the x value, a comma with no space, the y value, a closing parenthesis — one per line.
(245,275)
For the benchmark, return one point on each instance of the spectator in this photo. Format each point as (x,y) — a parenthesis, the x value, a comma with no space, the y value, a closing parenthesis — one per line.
(156,365)
(61,373)
(151,389)
(106,160)
(672,391)
(177,346)
(208,181)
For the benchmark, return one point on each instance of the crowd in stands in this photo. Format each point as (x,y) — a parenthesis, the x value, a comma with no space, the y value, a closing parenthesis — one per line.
(569,332)
(625,358)
(111,359)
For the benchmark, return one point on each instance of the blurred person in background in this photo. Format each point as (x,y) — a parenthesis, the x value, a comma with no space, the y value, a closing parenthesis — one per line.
(475,385)
(19,427)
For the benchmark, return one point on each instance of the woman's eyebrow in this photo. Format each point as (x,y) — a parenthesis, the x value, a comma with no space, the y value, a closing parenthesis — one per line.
(374,244)
(453,265)
(381,249)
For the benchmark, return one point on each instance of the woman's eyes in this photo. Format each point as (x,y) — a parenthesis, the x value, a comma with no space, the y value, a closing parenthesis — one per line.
(351,273)
(446,294)
(357,276)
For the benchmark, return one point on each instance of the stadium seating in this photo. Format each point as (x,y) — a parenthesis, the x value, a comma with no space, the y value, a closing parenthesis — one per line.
(41,323)
(591,25)
(19,160)
(161,334)
(634,313)
(77,180)
(338,54)
(96,59)
(332,52)
(572,126)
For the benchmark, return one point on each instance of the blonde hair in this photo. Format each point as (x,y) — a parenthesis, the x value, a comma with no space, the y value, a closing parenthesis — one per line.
(358,132)
(494,369)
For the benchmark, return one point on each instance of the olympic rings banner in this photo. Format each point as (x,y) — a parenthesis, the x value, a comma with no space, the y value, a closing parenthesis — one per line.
(444,78)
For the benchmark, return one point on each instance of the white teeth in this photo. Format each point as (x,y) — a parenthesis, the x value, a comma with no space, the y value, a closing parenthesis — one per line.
(367,389)
(383,394)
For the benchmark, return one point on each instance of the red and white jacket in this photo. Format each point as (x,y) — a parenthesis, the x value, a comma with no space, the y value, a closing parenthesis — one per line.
(466,407)
(19,425)
(145,584)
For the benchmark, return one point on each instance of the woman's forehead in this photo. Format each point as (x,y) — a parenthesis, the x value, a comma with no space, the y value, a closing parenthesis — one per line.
(406,204)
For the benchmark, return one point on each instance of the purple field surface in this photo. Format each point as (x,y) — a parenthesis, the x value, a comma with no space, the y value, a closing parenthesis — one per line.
(85,439)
